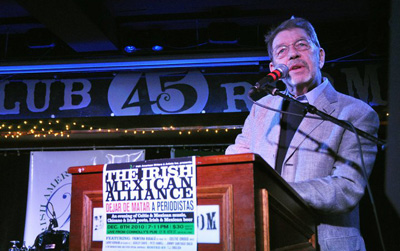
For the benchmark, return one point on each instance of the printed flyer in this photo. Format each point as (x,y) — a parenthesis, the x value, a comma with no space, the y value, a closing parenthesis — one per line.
(150,205)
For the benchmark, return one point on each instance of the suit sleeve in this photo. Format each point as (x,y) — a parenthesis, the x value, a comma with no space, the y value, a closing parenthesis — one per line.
(243,140)
(341,191)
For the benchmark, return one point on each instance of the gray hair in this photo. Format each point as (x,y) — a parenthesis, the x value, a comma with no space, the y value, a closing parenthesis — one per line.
(288,25)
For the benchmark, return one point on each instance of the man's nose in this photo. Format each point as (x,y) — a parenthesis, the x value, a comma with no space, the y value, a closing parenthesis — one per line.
(292,52)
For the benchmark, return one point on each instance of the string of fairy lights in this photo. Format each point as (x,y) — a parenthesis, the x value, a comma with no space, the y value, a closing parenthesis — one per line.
(62,129)
(66,129)
(43,128)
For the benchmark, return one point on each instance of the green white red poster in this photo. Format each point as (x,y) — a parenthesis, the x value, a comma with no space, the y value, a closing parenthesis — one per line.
(150,205)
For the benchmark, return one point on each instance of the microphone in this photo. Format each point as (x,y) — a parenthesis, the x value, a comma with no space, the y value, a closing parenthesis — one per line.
(281,71)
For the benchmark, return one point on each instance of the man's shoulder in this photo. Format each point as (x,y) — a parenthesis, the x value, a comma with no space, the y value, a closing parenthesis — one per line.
(268,99)
(348,100)
(350,108)
(353,109)
(345,100)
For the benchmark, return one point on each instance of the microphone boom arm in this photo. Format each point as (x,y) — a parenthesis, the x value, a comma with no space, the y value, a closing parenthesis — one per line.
(313,110)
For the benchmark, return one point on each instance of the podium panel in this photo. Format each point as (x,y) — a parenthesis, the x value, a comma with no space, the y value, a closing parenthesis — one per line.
(258,209)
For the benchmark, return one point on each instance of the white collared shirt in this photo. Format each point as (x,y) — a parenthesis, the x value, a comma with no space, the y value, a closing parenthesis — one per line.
(312,95)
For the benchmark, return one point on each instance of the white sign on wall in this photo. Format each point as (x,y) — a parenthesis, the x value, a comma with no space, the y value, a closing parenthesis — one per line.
(50,183)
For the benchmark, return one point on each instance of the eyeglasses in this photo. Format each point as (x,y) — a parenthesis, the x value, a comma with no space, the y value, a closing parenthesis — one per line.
(300,45)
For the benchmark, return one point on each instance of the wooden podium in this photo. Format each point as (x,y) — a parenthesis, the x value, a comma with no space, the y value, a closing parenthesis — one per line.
(258,209)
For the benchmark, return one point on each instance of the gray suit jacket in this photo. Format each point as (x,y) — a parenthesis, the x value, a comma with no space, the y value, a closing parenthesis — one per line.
(322,163)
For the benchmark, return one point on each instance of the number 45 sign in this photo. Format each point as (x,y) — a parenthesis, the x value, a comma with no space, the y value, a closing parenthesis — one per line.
(127,95)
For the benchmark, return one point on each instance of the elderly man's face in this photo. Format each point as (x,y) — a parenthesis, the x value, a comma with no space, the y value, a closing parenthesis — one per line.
(304,59)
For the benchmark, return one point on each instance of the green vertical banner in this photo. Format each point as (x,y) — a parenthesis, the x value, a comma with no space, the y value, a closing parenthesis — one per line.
(150,205)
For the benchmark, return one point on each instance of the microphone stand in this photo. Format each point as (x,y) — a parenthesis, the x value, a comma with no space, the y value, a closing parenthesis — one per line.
(313,110)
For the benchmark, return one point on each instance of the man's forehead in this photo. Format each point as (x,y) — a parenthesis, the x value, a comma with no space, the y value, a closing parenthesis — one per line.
(289,36)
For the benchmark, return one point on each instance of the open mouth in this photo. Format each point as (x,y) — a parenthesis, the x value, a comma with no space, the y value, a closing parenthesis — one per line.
(295,67)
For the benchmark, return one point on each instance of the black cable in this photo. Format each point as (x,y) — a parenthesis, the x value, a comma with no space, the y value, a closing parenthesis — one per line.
(53,220)
(53,212)
(368,186)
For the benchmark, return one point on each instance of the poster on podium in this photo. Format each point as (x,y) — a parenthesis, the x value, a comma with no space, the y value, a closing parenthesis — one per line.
(150,205)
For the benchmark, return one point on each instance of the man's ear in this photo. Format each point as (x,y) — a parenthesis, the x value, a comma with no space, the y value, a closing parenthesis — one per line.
(321,57)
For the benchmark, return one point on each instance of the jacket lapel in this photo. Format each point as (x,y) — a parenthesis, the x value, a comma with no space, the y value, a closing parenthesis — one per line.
(325,104)
(272,121)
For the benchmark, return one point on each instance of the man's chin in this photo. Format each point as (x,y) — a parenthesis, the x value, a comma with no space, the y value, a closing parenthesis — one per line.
(298,83)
